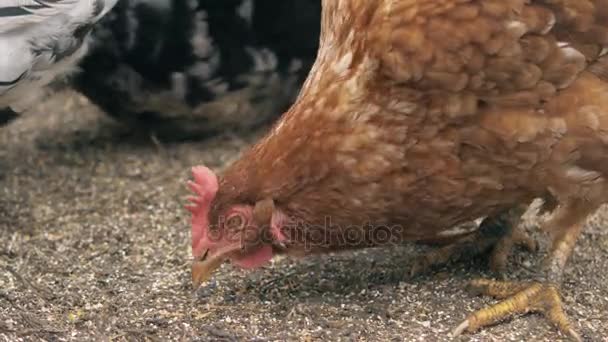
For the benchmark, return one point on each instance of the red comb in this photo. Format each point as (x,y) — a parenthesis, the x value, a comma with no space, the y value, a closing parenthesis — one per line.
(204,186)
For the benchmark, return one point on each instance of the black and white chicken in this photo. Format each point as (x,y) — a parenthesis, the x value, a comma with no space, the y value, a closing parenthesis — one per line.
(186,67)
(41,40)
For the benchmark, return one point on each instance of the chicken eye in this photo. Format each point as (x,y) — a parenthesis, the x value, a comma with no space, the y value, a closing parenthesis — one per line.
(235,221)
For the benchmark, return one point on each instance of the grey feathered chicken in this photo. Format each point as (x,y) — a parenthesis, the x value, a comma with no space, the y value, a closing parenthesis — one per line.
(41,40)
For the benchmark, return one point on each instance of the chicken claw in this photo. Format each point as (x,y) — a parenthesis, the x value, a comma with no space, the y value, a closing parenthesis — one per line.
(536,296)
(498,233)
(518,298)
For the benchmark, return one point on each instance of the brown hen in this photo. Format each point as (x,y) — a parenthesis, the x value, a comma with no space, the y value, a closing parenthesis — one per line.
(419,116)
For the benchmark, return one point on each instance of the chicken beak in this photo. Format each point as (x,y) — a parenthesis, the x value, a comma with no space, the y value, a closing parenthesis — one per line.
(203,269)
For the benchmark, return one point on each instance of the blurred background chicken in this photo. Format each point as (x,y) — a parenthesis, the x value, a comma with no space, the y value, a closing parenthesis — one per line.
(185,68)
(41,40)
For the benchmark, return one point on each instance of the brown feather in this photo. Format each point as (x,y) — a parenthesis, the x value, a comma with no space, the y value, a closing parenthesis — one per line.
(429,114)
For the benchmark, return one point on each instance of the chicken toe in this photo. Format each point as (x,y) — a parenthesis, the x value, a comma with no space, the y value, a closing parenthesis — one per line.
(518,298)
(540,296)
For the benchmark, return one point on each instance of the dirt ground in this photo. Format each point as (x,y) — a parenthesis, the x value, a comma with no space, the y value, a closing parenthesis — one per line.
(95,245)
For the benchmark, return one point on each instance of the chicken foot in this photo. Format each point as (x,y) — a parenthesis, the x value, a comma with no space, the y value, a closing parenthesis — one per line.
(518,298)
(498,233)
(540,296)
